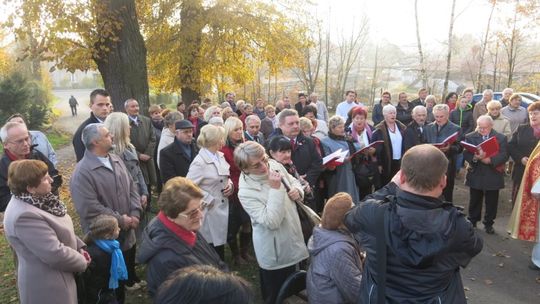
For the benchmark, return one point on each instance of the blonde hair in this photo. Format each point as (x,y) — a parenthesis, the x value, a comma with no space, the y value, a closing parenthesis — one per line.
(208,112)
(305,123)
(153,109)
(210,136)
(118,125)
(233,123)
(102,227)
(494,104)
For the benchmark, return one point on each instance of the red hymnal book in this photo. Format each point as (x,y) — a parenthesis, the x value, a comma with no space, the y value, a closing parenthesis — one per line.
(371,145)
(448,141)
(490,146)
(335,159)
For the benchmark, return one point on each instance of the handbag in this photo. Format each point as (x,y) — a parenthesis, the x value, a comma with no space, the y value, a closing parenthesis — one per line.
(308,218)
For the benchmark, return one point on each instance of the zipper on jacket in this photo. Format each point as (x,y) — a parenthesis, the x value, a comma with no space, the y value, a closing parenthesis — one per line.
(275,250)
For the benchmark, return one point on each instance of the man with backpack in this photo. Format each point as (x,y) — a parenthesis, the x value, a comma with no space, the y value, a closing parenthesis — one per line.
(415,242)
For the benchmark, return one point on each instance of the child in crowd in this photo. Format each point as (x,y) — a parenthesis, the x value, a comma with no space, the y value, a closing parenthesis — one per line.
(101,279)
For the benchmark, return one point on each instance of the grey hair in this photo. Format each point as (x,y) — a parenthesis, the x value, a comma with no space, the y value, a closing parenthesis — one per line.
(335,121)
(486,118)
(286,113)
(430,97)
(128,101)
(171,118)
(245,151)
(8,126)
(90,134)
(388,108)
(488,91)
(252,117)
(216,121)
(508,89)
(416,109)
(441,108)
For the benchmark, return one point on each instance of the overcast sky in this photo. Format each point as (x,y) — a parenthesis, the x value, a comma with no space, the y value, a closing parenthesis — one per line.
(394,21)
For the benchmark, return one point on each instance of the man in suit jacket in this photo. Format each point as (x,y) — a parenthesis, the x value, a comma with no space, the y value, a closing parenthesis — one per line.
(144,139)
(486,174)
(304,156)
(100,105)
(436,132)
(421,100)
(174,159)
(414,134)
(253,125)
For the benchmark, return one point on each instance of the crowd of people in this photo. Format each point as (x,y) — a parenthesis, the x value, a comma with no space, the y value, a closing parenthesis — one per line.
(241,175)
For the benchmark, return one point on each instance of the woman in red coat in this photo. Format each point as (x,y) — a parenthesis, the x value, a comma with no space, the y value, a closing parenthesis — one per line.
(238,218)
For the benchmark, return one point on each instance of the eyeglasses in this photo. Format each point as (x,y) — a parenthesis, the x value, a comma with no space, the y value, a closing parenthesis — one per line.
(193,214)
(21,141)
(260,164)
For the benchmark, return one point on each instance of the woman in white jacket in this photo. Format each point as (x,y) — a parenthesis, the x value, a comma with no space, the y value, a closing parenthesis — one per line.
(277,234)
(210,171)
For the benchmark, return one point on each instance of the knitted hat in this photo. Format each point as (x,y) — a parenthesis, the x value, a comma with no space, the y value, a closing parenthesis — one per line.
(335,209)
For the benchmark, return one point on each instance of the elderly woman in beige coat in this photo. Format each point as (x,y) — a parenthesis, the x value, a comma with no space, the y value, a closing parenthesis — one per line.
(210,171)
(40,231)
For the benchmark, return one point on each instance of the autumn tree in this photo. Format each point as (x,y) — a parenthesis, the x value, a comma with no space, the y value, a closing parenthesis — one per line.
(192,42)
(82,35)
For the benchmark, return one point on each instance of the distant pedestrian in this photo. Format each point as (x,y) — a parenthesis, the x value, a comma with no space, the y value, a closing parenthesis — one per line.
(73,105)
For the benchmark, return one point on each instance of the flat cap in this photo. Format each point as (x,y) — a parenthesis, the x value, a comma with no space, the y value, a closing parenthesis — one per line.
(183,124)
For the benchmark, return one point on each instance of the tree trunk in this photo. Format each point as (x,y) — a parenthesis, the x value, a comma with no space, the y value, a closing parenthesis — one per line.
(327,61)
(123,67)
(192,23)
(479,87)
(423,73)
(371,100)
(449,55)
(511,50)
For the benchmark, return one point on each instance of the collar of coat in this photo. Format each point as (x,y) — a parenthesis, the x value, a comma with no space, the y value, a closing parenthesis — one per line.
(93,161)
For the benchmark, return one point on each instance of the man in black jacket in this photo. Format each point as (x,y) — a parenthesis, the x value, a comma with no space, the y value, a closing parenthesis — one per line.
(17,145)
(100,105)
(414,134)
(426,240)
(174,159)
(486,174)
(436,132)
(304,156)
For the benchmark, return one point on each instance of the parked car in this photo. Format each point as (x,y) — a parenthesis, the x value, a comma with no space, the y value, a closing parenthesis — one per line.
(526,98)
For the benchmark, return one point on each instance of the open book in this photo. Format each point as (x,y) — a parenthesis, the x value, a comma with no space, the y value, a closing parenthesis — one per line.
(490,146)
(371,145)
(335,159)
(448,141)
(535,190)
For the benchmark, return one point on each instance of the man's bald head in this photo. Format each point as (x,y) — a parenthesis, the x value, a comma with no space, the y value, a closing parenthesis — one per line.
(423,167)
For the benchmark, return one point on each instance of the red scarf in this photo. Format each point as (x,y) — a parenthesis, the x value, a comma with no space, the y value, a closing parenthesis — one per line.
(13,157)
(187,236)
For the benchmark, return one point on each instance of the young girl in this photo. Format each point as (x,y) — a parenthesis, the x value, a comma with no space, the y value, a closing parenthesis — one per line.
(107,268)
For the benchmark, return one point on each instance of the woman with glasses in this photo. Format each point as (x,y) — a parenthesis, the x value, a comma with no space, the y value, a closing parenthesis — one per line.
(172,240)
(268,194)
